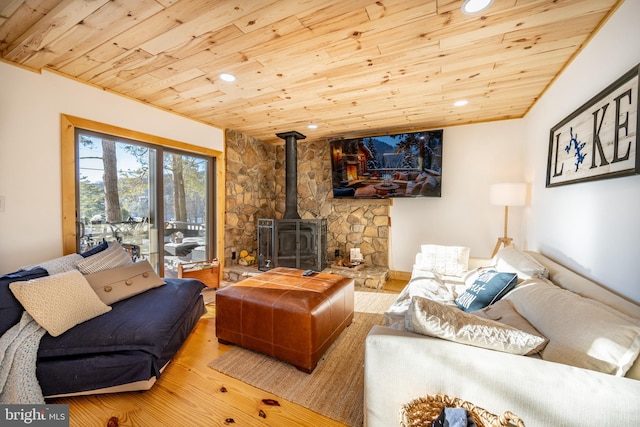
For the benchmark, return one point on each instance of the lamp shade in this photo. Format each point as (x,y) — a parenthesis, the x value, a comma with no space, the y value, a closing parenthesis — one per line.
(509,194)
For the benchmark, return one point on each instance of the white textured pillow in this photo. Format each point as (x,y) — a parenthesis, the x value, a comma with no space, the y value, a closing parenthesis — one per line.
(112,257)
(58,265)
(448,260)
(513,260)
(427,317)
(59,302)
(582,332)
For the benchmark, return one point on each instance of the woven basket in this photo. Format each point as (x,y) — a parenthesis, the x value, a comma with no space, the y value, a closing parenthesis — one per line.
(423,411)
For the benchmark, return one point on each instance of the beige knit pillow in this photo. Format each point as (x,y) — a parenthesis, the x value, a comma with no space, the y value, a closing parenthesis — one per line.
(59,302)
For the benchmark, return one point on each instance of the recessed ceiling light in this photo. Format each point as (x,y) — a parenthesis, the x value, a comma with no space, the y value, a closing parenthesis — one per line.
(460,103)
(312,126)
(471,7)
(228,77)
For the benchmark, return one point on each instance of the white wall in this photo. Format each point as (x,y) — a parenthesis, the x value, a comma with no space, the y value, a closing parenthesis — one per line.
(474,157)
(592,227)
(30,108)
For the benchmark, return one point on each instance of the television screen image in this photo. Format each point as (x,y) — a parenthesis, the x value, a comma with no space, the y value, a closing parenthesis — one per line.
(400,165)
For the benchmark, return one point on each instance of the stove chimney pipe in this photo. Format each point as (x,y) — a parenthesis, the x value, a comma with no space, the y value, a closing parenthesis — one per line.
(291,171)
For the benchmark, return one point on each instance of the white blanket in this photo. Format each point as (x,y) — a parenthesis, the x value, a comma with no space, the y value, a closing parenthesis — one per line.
(433,286)
(18,353)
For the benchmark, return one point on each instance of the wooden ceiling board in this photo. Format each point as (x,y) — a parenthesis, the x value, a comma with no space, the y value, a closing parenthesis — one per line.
(62,18)
(353,67)
(21,19)
(8,8)
(105,25)
(98,27)
(130,64)
(208,17)
(327,19)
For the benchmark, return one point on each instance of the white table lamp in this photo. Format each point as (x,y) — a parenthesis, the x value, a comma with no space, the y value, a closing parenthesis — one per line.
(510,194)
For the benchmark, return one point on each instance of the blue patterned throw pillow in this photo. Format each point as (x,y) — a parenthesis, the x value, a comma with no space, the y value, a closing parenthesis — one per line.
(486,289)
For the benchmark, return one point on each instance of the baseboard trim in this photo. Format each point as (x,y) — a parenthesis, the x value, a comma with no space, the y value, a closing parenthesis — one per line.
(399,275)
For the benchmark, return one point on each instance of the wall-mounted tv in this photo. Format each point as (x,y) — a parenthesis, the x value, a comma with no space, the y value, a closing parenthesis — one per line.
(400,165)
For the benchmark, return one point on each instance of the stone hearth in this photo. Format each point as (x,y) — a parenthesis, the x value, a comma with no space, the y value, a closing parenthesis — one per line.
(236,273)
(368,277)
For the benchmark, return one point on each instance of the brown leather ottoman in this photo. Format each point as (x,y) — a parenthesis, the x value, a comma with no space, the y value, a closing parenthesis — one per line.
(285,315)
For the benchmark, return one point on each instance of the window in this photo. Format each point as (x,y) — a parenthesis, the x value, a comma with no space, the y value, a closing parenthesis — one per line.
(156,197)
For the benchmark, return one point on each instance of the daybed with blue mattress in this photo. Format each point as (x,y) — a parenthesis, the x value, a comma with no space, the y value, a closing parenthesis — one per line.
(124,348)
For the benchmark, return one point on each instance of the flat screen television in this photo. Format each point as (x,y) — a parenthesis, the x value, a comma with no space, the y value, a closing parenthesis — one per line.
(400,165)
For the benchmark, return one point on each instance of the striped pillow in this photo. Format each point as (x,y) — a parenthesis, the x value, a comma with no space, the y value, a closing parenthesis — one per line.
(112,257)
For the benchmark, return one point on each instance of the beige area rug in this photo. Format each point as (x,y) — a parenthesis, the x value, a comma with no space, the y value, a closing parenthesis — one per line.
(335,388)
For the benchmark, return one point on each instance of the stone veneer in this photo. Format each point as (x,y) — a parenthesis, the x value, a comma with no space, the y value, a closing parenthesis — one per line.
(255,179)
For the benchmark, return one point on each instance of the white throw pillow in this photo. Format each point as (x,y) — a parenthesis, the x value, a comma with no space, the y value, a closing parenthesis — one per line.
(513,260)
(582,332)
(427,317)
(58,265)
(59,302)
(447,260)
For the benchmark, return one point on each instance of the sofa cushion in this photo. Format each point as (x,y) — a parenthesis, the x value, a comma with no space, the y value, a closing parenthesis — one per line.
(485,288)
(448,260)
(116,284)
(513,260)
(112,257)
(582,332)
(428,317)
(146,322)
(59,302)
(567,279)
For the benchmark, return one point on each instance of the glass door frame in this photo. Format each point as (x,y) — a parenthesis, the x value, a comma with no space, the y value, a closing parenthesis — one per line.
(68,160)
(210,195)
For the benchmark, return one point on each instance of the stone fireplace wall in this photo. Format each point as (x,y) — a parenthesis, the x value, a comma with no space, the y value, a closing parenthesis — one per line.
(249,188)
(255,188)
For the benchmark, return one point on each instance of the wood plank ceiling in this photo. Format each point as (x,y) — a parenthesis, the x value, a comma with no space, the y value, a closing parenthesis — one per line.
(353,67)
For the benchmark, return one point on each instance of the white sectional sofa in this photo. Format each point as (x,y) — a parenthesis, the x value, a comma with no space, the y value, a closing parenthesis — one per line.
(562,385)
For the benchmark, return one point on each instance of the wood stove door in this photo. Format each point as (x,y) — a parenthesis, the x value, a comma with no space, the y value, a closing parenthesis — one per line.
(298,244)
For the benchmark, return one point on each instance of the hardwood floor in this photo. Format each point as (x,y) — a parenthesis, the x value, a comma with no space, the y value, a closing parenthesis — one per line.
(394,285)
(189,393)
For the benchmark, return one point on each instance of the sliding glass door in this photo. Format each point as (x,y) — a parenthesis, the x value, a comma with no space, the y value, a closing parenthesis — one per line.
(152,200)
(185,209)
